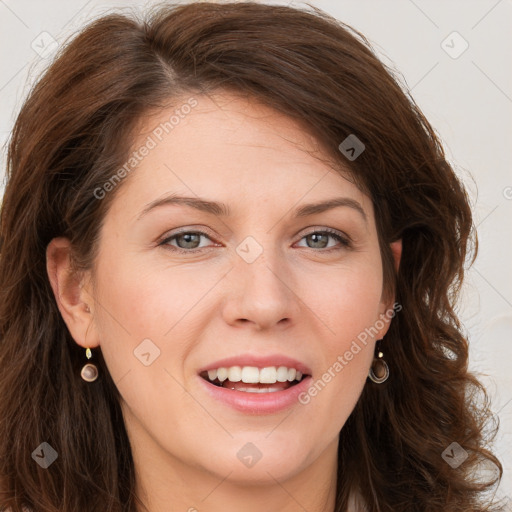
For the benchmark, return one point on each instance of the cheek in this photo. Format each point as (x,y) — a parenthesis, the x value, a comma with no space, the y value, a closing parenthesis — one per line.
(355,321)
(350,309)
(148,297)
(346,355)
(347,299)
(146,301)
(144,311)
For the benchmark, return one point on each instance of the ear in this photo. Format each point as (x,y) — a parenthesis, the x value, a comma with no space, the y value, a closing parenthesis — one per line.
(390,308)
(75,303)
(396,250)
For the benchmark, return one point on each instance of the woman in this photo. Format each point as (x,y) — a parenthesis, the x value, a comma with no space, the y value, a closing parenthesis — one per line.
(231,252)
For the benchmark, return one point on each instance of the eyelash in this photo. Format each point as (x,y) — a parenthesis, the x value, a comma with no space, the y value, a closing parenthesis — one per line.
(343,240)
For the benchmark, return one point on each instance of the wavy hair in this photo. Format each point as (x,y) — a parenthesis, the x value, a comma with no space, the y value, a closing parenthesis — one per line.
(74,132)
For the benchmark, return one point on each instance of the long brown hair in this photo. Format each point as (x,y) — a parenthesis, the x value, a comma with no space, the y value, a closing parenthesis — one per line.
(74,133)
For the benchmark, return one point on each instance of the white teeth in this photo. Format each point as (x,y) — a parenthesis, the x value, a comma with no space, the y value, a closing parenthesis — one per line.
(222,374)
(235,374)
(259,390)
(268,375)
(254,375)
(250,374)
(282,374)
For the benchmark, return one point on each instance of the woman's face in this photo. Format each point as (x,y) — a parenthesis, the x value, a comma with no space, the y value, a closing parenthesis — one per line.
(181,286)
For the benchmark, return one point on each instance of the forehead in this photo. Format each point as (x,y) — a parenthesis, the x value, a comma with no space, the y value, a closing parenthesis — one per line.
(231,147)
(229,118)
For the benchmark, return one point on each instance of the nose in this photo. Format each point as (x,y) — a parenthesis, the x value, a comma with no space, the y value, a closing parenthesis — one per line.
(261,293)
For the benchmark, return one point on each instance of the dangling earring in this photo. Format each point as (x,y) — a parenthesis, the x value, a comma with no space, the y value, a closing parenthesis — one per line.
(90,371)
(379,370)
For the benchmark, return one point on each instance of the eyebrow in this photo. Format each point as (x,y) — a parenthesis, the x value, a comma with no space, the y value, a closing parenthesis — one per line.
(223,210)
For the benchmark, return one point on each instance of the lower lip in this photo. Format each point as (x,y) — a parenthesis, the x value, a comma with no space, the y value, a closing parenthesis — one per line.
(258,403)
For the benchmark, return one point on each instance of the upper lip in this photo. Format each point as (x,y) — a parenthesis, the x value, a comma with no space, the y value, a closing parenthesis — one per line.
(258,361)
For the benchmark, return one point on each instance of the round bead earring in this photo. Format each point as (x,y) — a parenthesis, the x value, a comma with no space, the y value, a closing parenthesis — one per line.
(89,372)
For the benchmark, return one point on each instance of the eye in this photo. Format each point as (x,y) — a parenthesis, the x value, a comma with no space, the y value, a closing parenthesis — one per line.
(320,239)
(190,241)
(187,241)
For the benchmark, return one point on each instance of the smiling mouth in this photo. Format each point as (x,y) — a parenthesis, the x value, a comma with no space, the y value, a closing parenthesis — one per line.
(249,387)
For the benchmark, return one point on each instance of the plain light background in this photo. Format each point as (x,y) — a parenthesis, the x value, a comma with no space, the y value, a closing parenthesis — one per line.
(455,59)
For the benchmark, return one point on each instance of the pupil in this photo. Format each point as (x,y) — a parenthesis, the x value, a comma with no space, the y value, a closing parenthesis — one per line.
(316,236)
(187,236)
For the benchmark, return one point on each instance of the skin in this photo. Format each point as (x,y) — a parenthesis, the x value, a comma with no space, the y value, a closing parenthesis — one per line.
(296,299)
